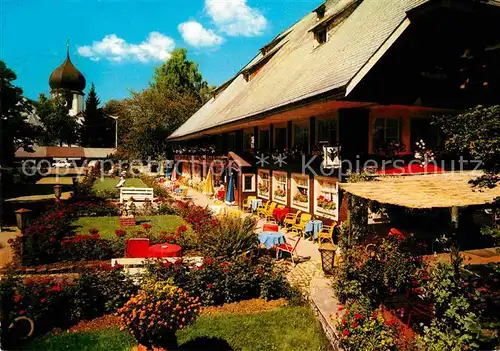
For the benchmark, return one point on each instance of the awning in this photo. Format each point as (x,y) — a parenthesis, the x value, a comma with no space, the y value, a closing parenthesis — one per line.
(424,191)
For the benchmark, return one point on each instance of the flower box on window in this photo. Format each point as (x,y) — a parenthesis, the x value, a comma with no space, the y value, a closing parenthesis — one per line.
(300,192)
(263,185)
(326,201)
(280,187)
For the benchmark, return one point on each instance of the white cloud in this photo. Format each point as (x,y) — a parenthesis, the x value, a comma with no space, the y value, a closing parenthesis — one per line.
(235,17)
(157,47)
(195,35)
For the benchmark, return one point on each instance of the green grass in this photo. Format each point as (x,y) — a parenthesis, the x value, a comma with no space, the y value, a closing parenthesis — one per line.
(108,225)
(110,183)
(286,329)
(109,339)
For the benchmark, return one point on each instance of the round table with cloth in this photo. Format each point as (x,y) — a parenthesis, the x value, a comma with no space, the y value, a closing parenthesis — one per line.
(165,250)
(255,203)
(314,227)
(271,239)
(280,213)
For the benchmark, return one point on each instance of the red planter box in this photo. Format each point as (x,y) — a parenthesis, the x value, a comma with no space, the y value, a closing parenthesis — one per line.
(127,221)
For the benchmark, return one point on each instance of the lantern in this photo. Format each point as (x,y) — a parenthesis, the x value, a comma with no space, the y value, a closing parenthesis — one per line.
(22,218)
(327,252)
(58,191)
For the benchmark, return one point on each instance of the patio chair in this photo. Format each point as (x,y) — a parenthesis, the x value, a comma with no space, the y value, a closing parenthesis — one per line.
(291,249)
(268,214)
(263,207)
(300,227)
(247,204)
(290,220)
(326,234)
(137,248)
(281,207)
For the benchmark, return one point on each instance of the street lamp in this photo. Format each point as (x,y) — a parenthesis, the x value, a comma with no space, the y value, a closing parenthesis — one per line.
(327,252)
(58,191)
(23,218)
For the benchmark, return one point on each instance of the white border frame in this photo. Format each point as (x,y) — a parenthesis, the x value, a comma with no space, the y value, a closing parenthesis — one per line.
(293,186)
(254,177)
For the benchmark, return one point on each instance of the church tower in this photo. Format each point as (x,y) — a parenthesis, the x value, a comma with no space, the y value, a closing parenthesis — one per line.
(70,82)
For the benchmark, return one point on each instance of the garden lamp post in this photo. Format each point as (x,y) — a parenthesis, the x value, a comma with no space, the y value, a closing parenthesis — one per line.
(58,192)
(327,252)
(23,218)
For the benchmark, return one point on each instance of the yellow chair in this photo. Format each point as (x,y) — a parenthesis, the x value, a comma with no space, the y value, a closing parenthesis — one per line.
(326,234)
(248,203)
(269,213)
(300,227)
(281,207)
(263,208)
(290,220)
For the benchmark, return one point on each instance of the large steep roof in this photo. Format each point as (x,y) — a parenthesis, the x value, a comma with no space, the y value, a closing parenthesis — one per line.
(299,70)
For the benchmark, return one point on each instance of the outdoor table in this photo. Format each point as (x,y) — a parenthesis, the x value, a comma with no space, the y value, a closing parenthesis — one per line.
(314,227)
(217,209)
(271,239)
(280,213)
(255,203)
(165,250)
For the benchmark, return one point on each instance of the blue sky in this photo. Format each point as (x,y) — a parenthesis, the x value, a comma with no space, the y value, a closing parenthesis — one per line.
(116,43)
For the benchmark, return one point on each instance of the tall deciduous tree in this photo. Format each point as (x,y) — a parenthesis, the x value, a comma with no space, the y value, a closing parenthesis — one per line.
(15,131)
(59,127)
(147,118)
(95,126)
(180,74)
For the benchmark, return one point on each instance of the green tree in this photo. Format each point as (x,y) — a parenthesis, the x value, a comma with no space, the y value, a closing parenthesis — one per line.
(59,127)
(15,131)
(182,75)
(475,135)
(95,126)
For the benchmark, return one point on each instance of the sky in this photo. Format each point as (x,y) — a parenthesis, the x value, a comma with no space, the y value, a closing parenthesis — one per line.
(117,43)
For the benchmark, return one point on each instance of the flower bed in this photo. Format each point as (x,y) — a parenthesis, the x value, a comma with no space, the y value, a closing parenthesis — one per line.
(217,281)
(325,204)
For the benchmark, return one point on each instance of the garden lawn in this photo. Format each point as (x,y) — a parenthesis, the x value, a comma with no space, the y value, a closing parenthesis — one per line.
(108,225)
(289,328)
(110,183)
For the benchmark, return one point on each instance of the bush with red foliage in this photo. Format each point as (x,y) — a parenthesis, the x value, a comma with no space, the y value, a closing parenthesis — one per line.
(200,218)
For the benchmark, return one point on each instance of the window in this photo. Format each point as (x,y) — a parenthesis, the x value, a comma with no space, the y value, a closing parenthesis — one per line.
(320,35)
(300,192)
(326,131)
(385,131)
(280,187)
(280,138)
(248,139)
(301,136)
(248,182)
(231,141)
(326,197)
(264,184)
(264,139)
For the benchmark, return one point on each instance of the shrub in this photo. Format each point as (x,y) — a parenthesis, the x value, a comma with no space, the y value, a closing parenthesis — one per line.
(230,237)
(218,281)
(157,312)
(82,247)
(456,324)
(361,328)
(200,218)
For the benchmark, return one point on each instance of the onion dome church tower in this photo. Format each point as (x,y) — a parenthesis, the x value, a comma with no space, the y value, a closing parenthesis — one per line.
(69,81)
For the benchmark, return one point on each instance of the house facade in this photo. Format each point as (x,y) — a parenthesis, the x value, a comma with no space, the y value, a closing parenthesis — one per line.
(351,85)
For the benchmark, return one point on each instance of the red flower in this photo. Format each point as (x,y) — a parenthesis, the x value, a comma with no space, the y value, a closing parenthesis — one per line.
(52,239)
(182,228)
(120,233)
(95,236)
(358,316)
(210,286)
(209,261)
(167,264)
(374,315)
(21,312)
(93,231)
(17,298)
(341,307)
(146,226)
(345,332)
(354,324)
(55,288)
(42,300)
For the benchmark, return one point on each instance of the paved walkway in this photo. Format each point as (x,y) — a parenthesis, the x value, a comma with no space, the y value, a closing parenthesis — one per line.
(309,266)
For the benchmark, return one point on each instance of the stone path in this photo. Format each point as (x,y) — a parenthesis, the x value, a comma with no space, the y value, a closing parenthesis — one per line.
(304,272)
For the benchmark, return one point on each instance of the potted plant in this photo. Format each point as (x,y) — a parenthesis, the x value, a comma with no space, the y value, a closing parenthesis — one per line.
(281,193)
(301,196)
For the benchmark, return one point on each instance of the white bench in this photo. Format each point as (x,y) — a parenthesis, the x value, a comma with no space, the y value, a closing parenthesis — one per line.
(135,266)
(139,194)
